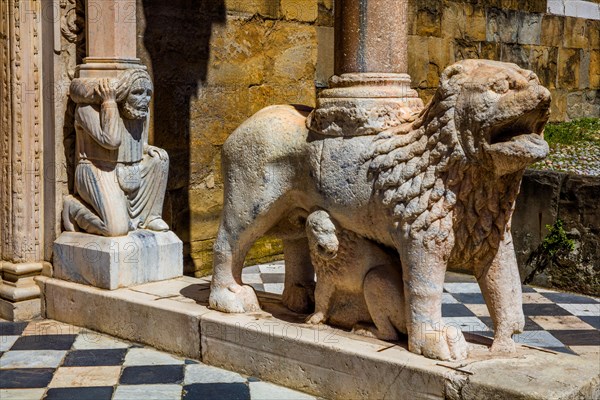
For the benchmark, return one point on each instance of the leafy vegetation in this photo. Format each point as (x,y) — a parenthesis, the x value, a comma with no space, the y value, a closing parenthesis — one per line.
(576,131)
(557,240)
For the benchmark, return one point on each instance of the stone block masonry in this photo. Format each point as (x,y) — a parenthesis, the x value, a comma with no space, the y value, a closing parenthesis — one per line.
(215,65)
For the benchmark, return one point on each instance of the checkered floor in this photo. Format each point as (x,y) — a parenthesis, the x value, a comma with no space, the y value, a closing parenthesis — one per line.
(51,360)
(560,322)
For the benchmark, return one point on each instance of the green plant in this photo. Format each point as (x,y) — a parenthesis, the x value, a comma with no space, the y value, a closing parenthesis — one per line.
(568,133)
(557,240)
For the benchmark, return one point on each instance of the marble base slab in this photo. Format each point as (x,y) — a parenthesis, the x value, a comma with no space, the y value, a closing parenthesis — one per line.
(114,262)
(275,345)
(24,310)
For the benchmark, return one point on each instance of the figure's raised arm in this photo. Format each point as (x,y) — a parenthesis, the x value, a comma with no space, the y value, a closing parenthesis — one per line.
(105,126)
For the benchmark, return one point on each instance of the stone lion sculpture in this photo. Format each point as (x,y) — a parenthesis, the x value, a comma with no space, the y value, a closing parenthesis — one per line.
(439,189)
(358,281)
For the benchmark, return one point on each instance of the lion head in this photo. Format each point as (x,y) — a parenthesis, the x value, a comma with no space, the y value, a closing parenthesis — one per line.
(460,163)
(500,111)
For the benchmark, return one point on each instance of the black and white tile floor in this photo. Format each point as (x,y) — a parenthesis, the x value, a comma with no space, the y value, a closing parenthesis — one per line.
(51,360)
(560,322)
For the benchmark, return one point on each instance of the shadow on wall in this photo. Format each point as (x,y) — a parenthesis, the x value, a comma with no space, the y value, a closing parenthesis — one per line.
(177,38)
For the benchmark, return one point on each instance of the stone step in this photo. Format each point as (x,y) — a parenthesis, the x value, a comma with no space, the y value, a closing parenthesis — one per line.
(275,345)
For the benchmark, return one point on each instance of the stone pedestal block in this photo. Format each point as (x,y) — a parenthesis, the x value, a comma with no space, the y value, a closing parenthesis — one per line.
(113,262)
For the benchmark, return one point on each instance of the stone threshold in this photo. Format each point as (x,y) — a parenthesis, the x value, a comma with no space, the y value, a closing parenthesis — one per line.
(274,345)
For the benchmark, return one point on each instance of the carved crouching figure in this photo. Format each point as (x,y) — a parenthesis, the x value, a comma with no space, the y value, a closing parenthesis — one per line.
(440,190)
(358,281)
(120,180)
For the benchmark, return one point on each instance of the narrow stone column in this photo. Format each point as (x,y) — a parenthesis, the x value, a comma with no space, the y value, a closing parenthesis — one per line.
(110,38)
(21,162)
(370,91)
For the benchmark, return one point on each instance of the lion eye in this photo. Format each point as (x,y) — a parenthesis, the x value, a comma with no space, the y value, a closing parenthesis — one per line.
(500,86)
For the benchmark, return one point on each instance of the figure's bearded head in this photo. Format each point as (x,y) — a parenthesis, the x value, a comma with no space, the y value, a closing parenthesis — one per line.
(134,93)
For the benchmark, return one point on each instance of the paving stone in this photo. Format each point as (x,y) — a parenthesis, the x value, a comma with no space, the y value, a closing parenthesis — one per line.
(30,359)
(268,391)
(152,375)
(26,378)
(456,310)
(150,357)
(468,324)
(22,394)
(12,328)
(543,309)
(586,310)
(572,337)
(216,391)
(80,393)
(98,357)
(567,298)
(553,322)
(462,287)
(44,342)
(469,298)
(89,340)
(201,373)
(538,339)
(6,342)
(148,392)
(85,376)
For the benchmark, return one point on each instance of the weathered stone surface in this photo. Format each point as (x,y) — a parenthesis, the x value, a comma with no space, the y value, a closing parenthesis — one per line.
(113,262)
(585,103)
(212,71)
(300,10)
(323,361)
(536,207)
(142,316)
(595,69)
(568,68)
(552,30)
(545,198)
(577,36)
(272,188)
(24,310)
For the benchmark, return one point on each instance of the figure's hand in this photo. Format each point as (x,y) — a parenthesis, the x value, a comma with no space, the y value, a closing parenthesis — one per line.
(106,91)
(154,151)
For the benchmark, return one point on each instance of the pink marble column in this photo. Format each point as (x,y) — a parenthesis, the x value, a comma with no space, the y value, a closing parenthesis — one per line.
(370,91)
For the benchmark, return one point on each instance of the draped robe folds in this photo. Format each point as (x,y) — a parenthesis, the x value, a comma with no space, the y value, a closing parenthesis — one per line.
(120,181)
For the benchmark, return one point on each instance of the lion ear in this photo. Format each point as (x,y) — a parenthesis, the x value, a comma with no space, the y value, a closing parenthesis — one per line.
(452,70)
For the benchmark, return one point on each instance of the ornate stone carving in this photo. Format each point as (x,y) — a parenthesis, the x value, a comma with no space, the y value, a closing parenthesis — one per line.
(21,161)
(358,280)
(439,189)
(120,180)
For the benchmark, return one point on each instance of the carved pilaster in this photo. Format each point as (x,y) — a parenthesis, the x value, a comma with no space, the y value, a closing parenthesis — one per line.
(21,144)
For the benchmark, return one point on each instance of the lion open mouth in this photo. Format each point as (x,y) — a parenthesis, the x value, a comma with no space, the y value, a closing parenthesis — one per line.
(519,141)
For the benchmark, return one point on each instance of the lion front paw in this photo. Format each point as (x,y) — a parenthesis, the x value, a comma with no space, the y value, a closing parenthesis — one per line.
(446,343)
(503,346)
(234,299)
(316,318)
(299,298)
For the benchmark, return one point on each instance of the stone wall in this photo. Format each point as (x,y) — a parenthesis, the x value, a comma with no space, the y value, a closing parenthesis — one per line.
(216,62)
(563,50)
(545,197)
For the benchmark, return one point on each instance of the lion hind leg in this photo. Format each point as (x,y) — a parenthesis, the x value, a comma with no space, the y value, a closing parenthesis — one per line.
(384,296)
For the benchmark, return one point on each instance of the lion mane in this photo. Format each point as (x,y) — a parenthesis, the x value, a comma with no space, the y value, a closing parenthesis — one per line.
(423,176)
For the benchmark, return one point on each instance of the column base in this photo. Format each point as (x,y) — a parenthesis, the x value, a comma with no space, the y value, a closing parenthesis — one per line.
(19,293)
(113,262)
(364,104)
(25,310)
